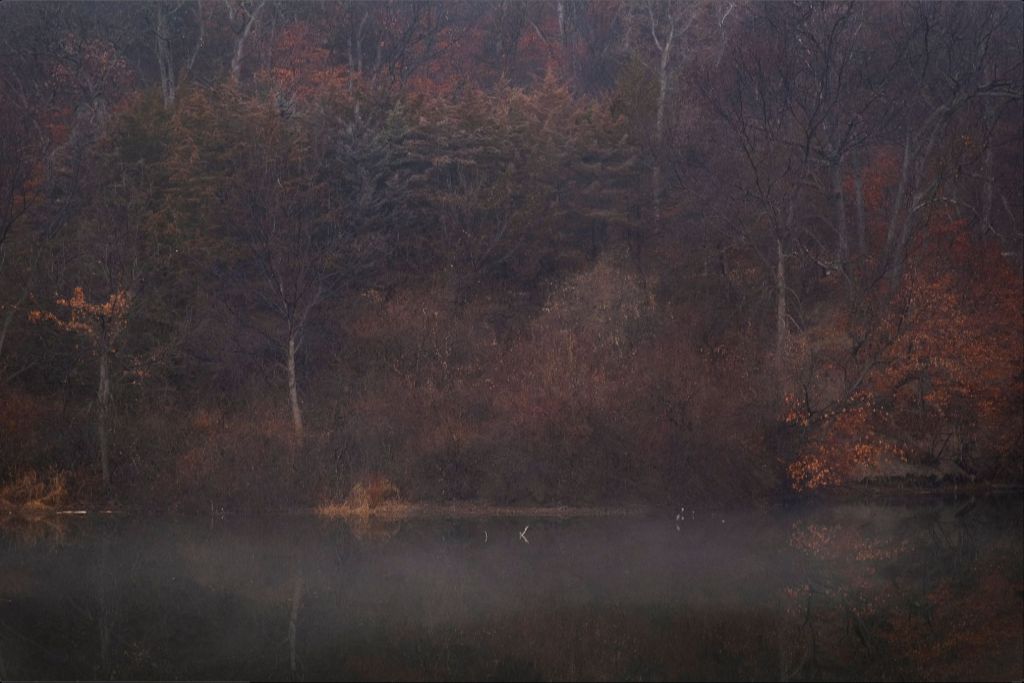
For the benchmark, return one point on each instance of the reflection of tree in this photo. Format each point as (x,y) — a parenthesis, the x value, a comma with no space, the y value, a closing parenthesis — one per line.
(920,595)
(104,618)
(838,608)
(370,529)
(853,591)
(49,530)
(293,620)
(824,630)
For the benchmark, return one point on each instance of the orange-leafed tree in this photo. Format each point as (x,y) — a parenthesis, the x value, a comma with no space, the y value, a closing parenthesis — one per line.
(101,325)
(124,260)
(940,392)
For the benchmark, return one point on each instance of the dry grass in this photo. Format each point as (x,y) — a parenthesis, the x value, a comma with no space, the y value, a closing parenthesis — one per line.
(29,496)
(375,497)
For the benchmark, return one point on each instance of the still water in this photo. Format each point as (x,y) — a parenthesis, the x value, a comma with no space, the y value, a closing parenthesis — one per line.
(845,591)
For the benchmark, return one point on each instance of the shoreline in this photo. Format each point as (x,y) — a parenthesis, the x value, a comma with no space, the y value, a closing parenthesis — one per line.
(399,510)
(403,511)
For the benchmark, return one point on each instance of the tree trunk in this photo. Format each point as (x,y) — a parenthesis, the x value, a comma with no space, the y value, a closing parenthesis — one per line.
(862,238)
(780,310)
(293,391)
(988,170)
(888,258)
(164,57)
(236,59)
(9,317)
(839,204)
(659,127)
(103,407)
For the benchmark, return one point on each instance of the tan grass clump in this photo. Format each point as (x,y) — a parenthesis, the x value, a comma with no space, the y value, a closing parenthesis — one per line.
(31,496)
(372,497)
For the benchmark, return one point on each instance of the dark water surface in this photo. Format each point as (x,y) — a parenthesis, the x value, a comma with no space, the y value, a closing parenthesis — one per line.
(845,591)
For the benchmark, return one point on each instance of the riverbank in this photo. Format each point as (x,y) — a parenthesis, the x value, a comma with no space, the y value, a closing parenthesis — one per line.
(915,490)
(33,498)
(400,511)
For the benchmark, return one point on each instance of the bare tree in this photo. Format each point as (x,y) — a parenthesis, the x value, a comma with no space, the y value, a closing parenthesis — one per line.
(286,242)
(754,97)
(669,24)
(244,17)
(951,60)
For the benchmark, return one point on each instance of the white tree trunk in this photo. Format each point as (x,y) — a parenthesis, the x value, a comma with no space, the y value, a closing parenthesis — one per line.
(659,126)
(236,59)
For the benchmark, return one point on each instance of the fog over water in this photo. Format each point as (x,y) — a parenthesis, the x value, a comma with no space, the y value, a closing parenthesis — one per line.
(836,592)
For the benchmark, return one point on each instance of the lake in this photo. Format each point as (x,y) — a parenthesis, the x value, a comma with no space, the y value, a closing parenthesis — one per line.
(810,591)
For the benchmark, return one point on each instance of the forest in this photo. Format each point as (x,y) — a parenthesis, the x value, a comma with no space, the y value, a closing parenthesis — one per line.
(253,253)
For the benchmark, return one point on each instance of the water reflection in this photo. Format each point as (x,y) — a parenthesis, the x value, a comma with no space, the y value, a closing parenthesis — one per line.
(833,592)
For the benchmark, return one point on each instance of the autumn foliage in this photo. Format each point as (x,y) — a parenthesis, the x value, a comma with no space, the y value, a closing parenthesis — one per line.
(942,381)
(524,253)
(103,321)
